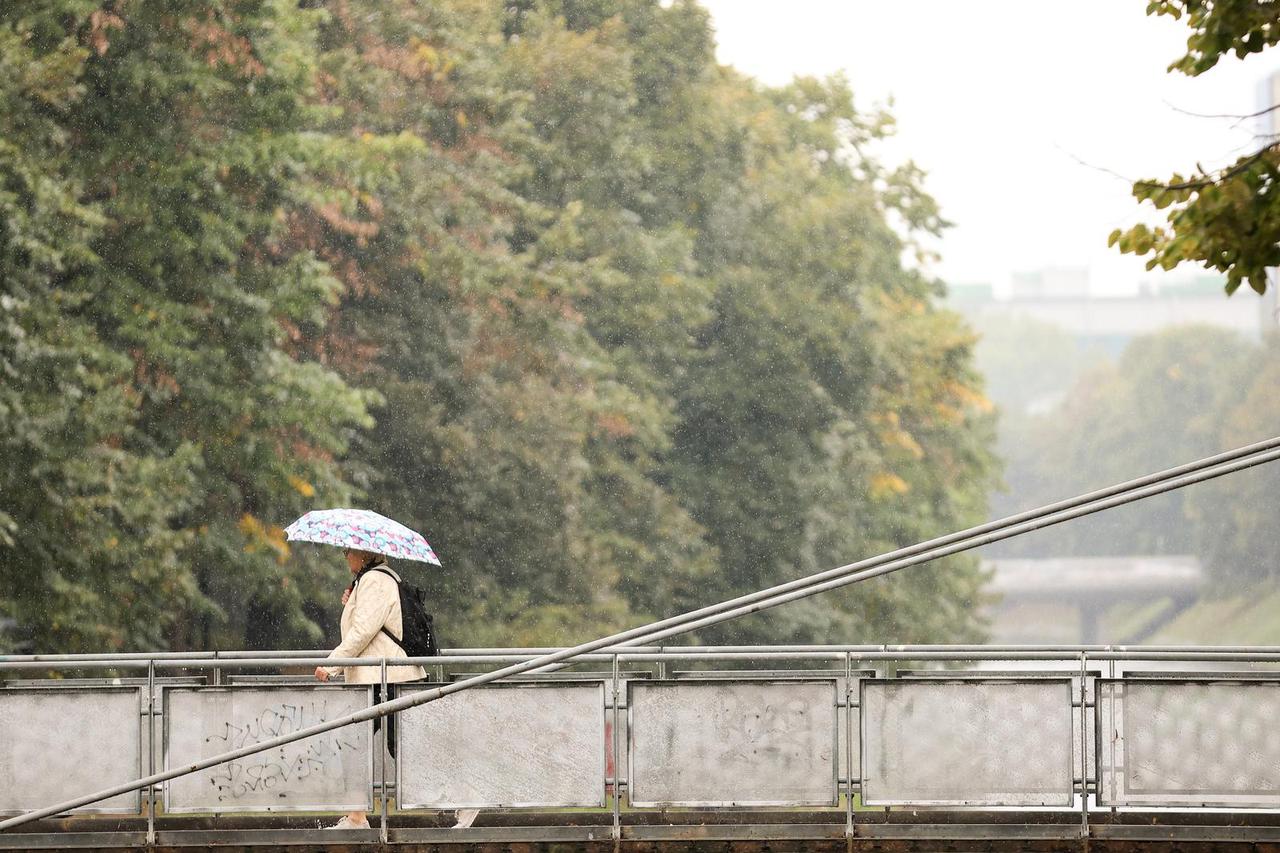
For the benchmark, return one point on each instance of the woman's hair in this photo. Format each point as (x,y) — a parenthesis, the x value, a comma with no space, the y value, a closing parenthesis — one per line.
(368,558)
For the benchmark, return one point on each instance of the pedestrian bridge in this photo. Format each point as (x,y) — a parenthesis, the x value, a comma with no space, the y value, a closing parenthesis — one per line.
(814,747)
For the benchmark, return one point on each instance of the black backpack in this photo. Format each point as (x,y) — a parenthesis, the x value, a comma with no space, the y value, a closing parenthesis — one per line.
(419,630)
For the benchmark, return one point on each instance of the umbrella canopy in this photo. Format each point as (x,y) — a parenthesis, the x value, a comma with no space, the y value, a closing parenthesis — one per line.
(363,530)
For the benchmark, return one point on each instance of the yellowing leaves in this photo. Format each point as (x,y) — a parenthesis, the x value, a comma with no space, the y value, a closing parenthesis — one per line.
(615,425)
(427,55)
(970,397)
(885,485)
(259,537)
(101,23)
(430,59)
(892,434)
(302,487)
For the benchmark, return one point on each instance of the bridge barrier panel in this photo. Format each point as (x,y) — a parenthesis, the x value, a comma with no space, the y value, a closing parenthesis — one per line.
(733,743)
(55,743)
(326,772)
(530,745)
(1069,666)
(624,677)
(982,742)
(844,725)
(1189,743)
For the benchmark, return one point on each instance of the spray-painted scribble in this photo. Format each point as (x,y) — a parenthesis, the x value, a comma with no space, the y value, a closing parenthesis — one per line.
(286,767)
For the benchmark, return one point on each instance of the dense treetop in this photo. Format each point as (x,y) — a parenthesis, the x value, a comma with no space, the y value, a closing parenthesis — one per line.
(620,330)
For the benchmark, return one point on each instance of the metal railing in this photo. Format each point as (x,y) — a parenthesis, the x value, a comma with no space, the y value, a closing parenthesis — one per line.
(872,693)
(1179,477)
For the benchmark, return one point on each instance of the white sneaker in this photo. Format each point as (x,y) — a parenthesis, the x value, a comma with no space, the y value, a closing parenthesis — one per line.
(466,817)
(348,823)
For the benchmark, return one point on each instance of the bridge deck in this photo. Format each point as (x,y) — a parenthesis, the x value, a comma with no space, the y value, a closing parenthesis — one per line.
(746,831)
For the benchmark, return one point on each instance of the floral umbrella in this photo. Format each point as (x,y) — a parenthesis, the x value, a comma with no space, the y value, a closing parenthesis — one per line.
(363,530)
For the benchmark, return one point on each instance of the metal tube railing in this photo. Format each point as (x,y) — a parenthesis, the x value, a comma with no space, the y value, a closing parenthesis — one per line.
(993,531)
(1118,495)
(922,652)
(878,566)
(308,657)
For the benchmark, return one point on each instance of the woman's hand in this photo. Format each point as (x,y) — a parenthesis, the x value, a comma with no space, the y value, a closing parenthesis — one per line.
(346,593)
(322,674)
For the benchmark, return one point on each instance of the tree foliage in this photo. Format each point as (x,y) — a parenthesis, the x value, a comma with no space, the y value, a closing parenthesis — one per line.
(620,330)
(1227,219)
(1118,422)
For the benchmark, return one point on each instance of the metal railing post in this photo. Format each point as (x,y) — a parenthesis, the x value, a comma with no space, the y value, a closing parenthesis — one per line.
(1084,747)
(848,750)
(1111,709)
(383,752)
(617,766)
(151,751)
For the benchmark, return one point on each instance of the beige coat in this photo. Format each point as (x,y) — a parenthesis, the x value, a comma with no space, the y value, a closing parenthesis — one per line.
(373,603)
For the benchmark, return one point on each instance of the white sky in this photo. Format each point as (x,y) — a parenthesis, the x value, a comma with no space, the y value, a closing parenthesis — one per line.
(996,99)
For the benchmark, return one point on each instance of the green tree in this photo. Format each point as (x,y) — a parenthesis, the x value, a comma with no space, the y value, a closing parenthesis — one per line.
(1163,403)
(619,329)
(1028,364)
(82,533)
(150,286)
(1231,517)
(1226,219)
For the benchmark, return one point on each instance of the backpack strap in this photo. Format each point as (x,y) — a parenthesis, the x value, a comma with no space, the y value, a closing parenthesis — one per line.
(382,569)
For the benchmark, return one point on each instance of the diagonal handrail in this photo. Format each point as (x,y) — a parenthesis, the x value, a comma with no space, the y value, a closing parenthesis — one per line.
(1118,495)
(866,569)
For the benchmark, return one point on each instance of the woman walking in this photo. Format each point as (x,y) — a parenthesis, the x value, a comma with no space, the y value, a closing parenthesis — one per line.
(371,608)
(372,622)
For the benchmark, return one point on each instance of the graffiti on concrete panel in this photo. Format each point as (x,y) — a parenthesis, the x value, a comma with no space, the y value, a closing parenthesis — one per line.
(317,756)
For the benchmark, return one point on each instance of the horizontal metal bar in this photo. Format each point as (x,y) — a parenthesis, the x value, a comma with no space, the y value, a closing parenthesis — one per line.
(501,835)
(265,837)
(245,660)
(264,661)
(70,840)
(636,658)
(735,832)
(969,831)
(727,832)
(1211,654)
(1156,832)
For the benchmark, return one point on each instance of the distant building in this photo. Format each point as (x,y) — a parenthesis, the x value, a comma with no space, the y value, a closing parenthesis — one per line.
(1268,95)
(1060,297)
(1052,283)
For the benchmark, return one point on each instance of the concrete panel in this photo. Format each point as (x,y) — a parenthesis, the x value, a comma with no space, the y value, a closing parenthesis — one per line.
(1189,743)
(726,743)
(967,743)
(505,746)
(56,744)
(327,772)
